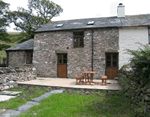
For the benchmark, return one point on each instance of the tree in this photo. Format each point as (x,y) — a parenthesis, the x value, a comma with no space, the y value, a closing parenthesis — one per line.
(4,8)
(39,12)
(45,8)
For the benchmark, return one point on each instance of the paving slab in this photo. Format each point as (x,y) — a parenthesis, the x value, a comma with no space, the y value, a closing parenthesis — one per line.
(15,92)
(25,107)
(9,92)
(57,91)
(10,113)
(5,97)
(38,99)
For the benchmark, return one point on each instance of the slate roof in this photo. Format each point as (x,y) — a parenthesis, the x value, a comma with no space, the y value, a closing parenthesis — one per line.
(127,21)
(27,45)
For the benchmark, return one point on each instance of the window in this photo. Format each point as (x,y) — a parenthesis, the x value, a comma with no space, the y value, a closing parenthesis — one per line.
(78,39)
(62,58)
(29,56)
(148,35)
(111,59)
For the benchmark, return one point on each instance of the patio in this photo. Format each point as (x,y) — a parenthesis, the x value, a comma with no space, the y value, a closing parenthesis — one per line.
(71,83)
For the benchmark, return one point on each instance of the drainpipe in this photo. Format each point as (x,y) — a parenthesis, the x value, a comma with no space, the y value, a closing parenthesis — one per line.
(92,53)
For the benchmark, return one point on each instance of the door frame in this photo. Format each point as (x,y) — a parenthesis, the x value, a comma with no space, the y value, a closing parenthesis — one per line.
(65,63)
(111,60)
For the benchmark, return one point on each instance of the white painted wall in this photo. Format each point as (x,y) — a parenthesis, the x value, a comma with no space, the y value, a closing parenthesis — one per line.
(128,38)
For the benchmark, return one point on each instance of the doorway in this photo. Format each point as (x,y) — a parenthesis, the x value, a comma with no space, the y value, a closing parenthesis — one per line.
(111,65)
(62,65)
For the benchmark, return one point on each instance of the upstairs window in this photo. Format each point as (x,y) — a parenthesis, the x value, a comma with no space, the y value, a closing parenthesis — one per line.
(78,40)
(29,57)
(148,35)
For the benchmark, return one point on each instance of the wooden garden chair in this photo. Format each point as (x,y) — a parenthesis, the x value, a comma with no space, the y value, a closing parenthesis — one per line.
(79,79)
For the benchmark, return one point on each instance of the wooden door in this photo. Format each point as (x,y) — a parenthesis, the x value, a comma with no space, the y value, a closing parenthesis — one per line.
(62,65)
(111,65)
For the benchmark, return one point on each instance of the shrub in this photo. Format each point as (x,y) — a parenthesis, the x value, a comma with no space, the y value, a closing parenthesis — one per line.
(136,81)
(140,64)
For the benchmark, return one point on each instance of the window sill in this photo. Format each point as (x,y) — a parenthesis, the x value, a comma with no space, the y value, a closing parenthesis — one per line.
(79,47)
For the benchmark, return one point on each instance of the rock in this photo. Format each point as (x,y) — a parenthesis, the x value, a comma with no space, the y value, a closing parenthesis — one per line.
(1,72)
(2,110)
(10,70)
(33,69)
(15,79)
(87,92)
(19,70)
(11,82)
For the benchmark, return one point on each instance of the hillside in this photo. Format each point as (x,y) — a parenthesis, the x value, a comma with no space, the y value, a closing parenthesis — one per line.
(10,39)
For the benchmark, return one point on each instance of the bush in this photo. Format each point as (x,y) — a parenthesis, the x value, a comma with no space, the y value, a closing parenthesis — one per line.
(140,64)
(136,81)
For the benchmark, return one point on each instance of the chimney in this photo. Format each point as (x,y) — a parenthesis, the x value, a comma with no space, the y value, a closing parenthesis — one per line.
(121,10)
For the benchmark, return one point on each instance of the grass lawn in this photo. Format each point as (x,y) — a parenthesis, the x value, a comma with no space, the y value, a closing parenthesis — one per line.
(27,94)
(79,104)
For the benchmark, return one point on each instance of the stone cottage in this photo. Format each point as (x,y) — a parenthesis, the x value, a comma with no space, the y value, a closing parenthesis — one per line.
(21,54)
(66,48)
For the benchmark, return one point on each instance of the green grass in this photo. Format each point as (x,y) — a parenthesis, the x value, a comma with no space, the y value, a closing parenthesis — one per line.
(98,104)
(27,94)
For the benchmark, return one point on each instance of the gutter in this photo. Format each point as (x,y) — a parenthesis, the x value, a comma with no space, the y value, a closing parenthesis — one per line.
(92,52)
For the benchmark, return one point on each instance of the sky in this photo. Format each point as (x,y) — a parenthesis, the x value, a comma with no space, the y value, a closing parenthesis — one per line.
(77,9)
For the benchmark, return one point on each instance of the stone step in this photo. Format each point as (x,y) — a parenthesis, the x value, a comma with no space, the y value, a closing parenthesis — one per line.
(13,93)
(5,97)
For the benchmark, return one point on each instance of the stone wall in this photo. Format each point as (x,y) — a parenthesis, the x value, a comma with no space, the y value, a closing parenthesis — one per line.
(79,59)
(105,40)
(9,76)
(17,59)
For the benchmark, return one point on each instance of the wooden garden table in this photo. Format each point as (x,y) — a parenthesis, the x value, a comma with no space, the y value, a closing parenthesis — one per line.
(88,75)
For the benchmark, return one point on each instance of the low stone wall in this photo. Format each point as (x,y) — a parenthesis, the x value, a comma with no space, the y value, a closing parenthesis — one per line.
(9,76)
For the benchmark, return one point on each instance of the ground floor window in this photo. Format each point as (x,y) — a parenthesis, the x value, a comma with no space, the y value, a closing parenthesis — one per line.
(29,57)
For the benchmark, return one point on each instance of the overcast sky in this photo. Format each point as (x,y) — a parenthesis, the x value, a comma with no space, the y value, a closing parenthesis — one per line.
(76,9)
